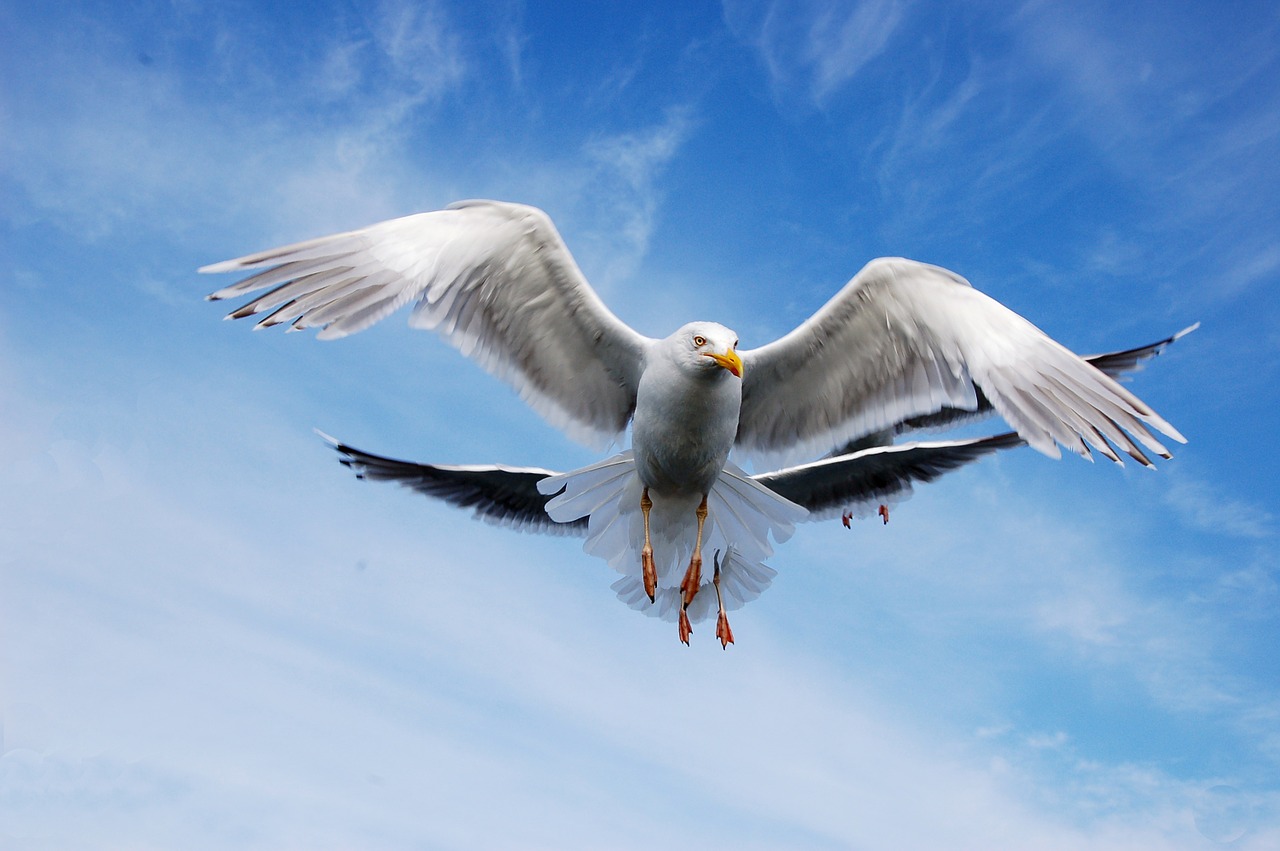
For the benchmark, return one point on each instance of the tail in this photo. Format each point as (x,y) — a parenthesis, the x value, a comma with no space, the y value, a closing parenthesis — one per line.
(741,581)
(741,516)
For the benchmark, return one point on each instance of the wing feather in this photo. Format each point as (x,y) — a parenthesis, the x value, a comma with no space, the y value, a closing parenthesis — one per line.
(494,279)
(1116,364)
(907,340)
(505,496)
(859,482)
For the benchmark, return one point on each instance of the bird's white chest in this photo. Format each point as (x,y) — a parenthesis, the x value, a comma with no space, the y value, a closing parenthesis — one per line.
(683,429)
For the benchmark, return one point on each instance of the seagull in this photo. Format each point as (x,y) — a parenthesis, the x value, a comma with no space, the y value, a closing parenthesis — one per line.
(901,341)
(861,479)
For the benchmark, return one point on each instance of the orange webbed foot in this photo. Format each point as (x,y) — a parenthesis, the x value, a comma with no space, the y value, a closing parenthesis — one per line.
(723,632)
(650,572)
(692,580)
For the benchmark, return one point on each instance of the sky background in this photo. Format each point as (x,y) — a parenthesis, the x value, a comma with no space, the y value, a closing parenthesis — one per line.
(213,636)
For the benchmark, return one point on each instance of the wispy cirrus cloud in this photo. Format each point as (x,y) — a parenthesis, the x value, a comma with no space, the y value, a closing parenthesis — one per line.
(1119,85)
(1208,510)
(628,168)
(1200,145)
(815,47)
(132,134)
(420,45)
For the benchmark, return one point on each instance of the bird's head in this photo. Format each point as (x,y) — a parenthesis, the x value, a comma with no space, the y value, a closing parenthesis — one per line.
(707,346)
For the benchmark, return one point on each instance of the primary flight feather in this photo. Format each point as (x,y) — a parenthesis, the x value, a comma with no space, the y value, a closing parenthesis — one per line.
(902,341)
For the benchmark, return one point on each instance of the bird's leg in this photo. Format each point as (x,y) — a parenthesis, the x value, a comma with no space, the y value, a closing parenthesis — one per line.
(646,552)
(884,514)
(722,622)
(693,576)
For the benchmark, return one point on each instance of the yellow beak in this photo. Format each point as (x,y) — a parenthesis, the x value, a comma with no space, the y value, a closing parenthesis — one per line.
(729,360)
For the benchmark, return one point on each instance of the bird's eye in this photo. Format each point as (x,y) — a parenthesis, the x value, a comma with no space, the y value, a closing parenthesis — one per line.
(699,341)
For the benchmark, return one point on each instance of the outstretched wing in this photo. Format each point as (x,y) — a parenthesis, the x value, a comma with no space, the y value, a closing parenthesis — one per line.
(494,279)
(860,482)
(506,496)
(904,339)
(1115,364)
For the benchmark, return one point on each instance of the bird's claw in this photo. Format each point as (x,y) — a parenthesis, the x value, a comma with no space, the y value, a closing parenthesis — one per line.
(883,511)
(722,621)
(692,580)
(685,628)
(723,632)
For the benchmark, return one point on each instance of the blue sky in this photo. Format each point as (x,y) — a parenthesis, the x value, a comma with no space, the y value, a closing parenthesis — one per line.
(212,636)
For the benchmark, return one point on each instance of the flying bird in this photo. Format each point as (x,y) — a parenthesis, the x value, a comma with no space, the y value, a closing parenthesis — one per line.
(903,343)
(860,479)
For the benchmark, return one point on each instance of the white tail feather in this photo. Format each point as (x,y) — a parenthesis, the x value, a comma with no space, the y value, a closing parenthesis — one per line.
(741,516)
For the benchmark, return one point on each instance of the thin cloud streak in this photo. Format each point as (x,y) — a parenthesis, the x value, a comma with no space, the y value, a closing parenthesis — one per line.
(1210,511)
(838,48)
(818,48)
(629,166)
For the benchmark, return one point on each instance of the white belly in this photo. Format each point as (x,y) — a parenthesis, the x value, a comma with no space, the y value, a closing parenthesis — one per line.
(683,430)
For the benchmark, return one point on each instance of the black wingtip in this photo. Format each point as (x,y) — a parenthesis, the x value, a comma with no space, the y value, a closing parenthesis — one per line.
(348,457)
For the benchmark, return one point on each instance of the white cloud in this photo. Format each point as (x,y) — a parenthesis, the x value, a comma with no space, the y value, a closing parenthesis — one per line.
(127,141)
(841,42)
(628,167)
(1204,507)
(818,47)
(251,663)
(420,44)
(1047,563)
(512,40)
(341,69)
(1136,87)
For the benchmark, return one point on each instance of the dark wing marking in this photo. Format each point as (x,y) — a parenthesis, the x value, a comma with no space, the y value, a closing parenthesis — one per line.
(858,483)
(506,496)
